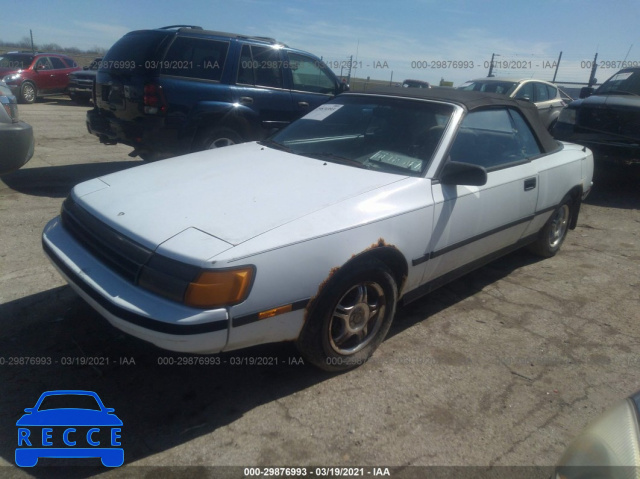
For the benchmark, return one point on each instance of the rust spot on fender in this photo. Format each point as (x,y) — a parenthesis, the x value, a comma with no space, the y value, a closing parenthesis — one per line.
(312,301)
(379,244)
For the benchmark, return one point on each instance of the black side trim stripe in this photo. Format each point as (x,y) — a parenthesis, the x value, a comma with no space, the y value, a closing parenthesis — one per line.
(467,268)
(448,249)
(134,318)
(252,318)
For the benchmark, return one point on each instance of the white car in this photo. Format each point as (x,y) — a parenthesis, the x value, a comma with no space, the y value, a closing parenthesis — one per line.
(315,234)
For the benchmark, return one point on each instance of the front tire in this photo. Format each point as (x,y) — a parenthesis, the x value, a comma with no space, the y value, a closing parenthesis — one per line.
(28,92)
(80,99)
(554,232)
(350,317)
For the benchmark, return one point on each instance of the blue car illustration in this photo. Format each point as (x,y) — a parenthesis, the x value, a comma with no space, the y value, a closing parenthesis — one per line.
(69,424)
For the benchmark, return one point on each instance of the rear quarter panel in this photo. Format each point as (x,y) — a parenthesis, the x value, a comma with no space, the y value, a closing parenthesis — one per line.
(558,174)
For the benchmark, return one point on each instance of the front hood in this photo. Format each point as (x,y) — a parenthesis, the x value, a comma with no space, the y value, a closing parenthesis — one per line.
(233,194)
(6,71)
(611,101)
(88,74)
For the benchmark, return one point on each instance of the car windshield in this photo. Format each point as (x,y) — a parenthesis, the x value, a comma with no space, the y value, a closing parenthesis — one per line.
(66,401)
(17,61)
(503,87)
(622,83)
(391,135)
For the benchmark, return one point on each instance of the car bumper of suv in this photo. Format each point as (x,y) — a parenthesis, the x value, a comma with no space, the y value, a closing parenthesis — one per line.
(17,145)
(167,324)
(154,135)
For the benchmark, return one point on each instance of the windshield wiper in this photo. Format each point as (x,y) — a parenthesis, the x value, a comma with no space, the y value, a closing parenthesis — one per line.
(276,146)
(332,157)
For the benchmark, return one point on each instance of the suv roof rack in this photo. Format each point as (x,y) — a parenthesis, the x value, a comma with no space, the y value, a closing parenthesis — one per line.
(270,40)
(195,27)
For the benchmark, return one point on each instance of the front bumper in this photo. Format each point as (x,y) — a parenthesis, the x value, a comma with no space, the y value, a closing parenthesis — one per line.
(167,324)
(17,145)
(81,89)
(604,147)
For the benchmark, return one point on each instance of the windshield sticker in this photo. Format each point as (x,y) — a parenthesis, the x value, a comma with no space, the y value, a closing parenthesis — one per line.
(621,76)
(322,112)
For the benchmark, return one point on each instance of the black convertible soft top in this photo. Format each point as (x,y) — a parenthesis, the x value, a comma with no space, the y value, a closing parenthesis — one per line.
(474,100)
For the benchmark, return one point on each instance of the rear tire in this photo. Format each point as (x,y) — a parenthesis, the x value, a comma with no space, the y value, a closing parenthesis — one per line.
(216,137)
(554,232)
(350,317)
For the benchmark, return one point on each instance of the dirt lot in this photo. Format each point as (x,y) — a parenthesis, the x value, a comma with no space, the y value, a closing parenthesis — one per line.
(500,368)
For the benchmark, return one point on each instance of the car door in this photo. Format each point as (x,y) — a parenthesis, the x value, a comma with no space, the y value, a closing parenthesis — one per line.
(542,102)
(43,76)
(556,104)
(59,75)
(260,86)
(312,84)
(473,222)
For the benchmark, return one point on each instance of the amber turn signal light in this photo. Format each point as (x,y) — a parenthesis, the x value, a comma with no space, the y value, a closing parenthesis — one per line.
(213,289)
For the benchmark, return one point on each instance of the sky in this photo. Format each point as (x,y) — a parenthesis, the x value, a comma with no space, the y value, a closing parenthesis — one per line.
(427,40)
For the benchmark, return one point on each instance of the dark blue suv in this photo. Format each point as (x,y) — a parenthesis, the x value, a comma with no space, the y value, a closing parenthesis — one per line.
(181,89)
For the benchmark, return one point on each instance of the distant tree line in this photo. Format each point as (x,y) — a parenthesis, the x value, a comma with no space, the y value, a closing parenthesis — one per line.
(25,44)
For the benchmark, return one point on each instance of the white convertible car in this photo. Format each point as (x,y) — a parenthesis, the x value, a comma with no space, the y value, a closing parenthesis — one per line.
(315,234)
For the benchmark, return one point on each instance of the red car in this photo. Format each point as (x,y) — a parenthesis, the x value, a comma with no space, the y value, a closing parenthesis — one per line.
(32,75)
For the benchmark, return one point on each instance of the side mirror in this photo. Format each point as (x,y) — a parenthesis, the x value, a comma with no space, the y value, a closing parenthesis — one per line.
(458,173)
(85,68)
(586,91)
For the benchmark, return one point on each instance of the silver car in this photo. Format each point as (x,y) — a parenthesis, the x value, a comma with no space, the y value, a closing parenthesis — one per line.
(547,97)
(16,137)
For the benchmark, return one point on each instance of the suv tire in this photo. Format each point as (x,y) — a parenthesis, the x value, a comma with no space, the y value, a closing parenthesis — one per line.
(216,137)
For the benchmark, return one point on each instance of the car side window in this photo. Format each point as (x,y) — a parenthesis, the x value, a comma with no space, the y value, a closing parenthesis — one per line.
(494,139)
(542,94)
(57,63)
(552,91)
(529,146)
(42,64)
(267,65)
(195,58)
(246,73)
(309,76)
(525,92)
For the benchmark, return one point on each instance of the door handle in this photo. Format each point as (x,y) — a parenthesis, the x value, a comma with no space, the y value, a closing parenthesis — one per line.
(529,184)
(246,100)
(303,104)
